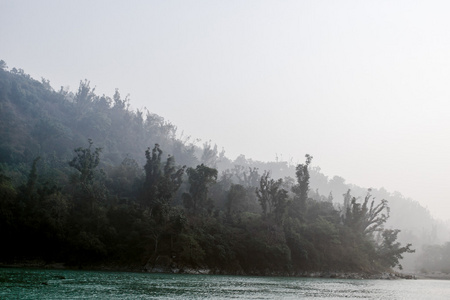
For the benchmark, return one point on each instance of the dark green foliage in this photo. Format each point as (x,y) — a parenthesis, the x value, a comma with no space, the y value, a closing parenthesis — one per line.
(125,180)
(363,218)
(114,205)
(390,252)
(9,209)
(85,163)
(88,183)
(272,197)
(302,187)
(236,199)
(200,180)
(161,183)
(32,177)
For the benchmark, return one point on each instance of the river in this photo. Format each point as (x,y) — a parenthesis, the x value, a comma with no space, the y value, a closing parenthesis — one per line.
(69,284)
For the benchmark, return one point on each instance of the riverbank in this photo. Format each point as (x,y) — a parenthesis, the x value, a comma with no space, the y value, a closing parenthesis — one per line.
(433,275)
(36,264)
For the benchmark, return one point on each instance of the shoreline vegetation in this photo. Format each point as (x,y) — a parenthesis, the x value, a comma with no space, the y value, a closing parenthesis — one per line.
(387,275)
(168,207)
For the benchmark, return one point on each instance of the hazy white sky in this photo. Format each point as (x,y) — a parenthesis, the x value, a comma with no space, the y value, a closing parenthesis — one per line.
(363,86)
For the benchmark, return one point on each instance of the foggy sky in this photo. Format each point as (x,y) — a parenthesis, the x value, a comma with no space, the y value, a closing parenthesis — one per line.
(363,86)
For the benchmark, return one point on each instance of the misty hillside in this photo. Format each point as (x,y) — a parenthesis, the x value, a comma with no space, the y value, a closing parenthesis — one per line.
(44,132)
(416,223)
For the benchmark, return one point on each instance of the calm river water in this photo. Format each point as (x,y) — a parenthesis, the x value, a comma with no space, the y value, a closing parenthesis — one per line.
(64,284)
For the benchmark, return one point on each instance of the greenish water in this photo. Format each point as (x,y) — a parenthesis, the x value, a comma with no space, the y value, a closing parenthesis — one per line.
(64,284)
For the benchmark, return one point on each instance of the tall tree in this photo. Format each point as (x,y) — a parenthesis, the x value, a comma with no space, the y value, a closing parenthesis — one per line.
(366,218)
(91,188)
(85,162)
(390,252)
(153,172)
(271,196)
(301,189)
(200,179)
(161,182)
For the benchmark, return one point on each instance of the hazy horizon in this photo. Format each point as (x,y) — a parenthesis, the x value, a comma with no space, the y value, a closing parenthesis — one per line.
(361,86)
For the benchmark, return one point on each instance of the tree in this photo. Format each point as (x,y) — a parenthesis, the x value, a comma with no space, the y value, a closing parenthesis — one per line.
(389,252)
(347,202)
(120,104)
(3,65)
(247,179)
(366,219)
(200,179)
(32,178)
(209,155)
(236,196)
(125,179)
(161,182)
(85,162)
(85,95)
(271,196)
(8,216)
(302,188)
(91,189)
(153,172)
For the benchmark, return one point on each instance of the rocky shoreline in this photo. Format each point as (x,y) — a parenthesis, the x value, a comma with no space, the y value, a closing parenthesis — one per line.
(307,274)
(205,271)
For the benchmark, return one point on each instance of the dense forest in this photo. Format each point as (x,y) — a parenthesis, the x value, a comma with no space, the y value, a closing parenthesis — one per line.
(86,181)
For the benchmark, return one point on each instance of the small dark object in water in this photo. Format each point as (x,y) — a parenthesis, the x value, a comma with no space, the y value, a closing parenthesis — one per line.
(44,283)
(60,277)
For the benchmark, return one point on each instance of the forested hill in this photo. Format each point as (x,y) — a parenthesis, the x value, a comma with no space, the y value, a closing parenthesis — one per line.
(37,121)
(86,180)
